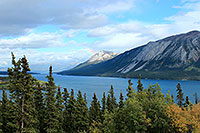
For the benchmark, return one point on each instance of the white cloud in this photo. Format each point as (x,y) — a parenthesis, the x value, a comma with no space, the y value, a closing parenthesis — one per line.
(40,61)
(40,40)
(135,33)
(19,16)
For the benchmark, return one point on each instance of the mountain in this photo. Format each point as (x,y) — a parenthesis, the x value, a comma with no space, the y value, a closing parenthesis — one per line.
(175,57)
(97,58)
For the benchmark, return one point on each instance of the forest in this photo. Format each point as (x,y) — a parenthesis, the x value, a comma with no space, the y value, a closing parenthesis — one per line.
(34,108)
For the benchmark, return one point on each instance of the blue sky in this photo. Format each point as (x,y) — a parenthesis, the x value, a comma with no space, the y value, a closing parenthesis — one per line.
(64,33)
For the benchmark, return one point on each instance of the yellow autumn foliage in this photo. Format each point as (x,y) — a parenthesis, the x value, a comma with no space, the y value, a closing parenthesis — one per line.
(184,119)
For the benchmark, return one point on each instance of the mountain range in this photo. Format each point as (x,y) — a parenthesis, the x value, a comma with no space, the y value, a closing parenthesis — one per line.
(175,57)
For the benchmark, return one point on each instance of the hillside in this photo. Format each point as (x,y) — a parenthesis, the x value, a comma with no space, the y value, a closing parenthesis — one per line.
(174,57)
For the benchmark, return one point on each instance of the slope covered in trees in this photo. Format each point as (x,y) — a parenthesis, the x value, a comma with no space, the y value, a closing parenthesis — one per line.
(36,109)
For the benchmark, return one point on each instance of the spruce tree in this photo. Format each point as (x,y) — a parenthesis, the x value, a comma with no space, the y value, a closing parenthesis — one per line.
(196,98)
(103,108)
(121,102)
(187,102)
(140,85)
(129,89)
(108,104)
(65,112)
(21,85)
(82,116)
(71,111)
(29,110)
(5,113)
(113,99)
(1,120)
(180,98)
(15,90)
(40,107)
(85,98)
(172,96)
(8,119)
(94,112)
(60,107)
(51,119)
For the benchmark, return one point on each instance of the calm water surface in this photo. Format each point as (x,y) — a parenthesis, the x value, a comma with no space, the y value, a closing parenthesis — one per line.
(98,85)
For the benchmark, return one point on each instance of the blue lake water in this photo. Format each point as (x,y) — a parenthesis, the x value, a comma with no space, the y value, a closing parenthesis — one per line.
(98,85)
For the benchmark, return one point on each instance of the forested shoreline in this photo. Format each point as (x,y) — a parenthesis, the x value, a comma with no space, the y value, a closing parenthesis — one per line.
(32,108)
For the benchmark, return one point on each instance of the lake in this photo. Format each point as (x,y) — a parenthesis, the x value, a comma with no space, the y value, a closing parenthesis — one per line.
(98,85)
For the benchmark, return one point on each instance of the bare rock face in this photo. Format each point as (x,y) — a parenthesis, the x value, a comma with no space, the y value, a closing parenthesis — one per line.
(175,52)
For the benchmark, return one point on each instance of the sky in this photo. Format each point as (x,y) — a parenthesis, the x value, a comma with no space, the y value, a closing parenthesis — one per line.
(64,33)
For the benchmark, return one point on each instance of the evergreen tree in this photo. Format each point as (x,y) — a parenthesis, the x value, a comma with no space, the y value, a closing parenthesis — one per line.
(65,112)
(15,90)
(172,96)
(169,98)
(60,107)
(40,107)
(180,98)
(82,117)
(129,89)
(103,108)
(94,112)
(1,119)
(51,120)
(85,98)
(140,85)
(71,111)
(187,102)
(196,98)
(103,101)
(121,102)
(21,85)
(108,104)
(113,99)
(5,113)
(28,106)
(65,97)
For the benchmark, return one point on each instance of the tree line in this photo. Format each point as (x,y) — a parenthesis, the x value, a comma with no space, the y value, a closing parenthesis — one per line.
(32,108)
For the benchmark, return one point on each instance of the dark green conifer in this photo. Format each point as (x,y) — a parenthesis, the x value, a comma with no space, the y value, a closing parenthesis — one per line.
(180,98)
(187,102)
(5,113)
(113,99)
(60,107)
(40,107)
(140,85)
(103,108)
(121,102)
(108,104)
(103,101)
(196,98)
(71,111)
(15,90)
(82,116)
(65,112)
(94,112)
(51,110)
(129,89)
(21,85)
(172,96)
(85,98)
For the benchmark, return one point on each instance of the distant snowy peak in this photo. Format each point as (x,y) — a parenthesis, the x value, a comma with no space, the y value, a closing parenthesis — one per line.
(102,56)
(97,58)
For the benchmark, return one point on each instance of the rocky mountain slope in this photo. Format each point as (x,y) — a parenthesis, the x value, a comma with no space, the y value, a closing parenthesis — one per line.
(174,57)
